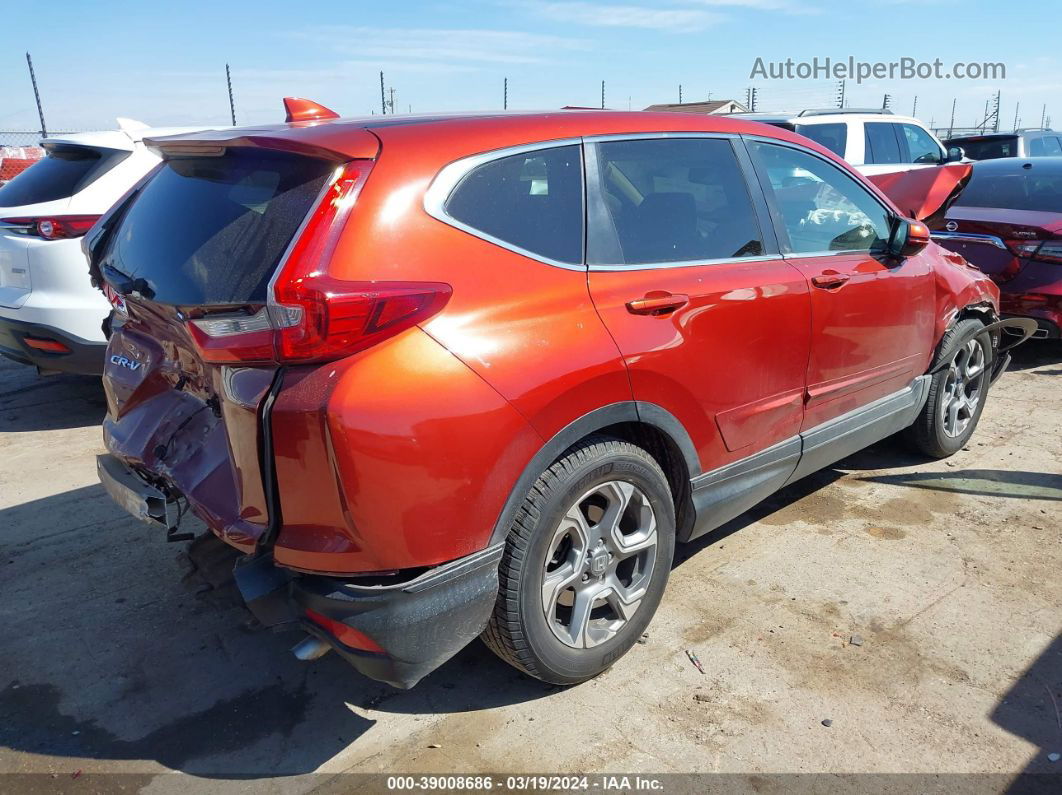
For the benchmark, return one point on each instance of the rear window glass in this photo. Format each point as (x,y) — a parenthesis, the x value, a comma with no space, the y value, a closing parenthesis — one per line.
(987,148)
(59,175)
(832,136)
(1023,189)
(533,201)
(211,230)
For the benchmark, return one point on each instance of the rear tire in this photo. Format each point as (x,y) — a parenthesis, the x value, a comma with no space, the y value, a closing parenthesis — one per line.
(957,392)
(585,563)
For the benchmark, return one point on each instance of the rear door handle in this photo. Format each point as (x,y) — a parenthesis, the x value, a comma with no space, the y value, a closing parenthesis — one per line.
(829,279)
(657,302)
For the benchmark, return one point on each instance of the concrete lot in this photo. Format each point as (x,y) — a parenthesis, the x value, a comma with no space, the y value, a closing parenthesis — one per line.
(948,571)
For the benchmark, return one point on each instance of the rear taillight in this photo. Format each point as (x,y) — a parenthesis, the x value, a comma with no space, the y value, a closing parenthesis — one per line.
(312,316)
(54,227)
(1040,250)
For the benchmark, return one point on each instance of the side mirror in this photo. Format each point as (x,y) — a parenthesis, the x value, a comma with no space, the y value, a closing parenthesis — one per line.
(955,154)
(908,238)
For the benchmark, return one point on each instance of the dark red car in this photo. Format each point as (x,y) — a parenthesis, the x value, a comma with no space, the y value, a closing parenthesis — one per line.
(1008,222)
(439,377)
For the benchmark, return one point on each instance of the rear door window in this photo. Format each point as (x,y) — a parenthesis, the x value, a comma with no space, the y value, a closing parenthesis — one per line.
(822,209)
(64,171)
(211,230)
(988,148)
(921,147)
(882,145)
(670,200)
(832,136)
(532,202)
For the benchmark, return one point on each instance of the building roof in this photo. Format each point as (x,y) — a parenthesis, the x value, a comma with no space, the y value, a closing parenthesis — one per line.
(711,106)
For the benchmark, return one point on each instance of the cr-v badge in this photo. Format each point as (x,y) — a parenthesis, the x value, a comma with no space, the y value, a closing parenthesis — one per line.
(121,361)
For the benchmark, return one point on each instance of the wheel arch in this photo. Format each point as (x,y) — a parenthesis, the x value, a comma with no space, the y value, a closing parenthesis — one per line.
(646,425)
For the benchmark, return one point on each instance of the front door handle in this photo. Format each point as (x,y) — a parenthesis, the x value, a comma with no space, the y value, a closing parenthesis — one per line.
(657,302)
(827,280)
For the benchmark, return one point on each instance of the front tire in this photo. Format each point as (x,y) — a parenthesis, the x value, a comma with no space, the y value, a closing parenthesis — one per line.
(957,392)
(585,564)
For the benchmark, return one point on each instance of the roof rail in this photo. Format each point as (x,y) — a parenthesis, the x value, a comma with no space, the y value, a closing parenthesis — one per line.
(835,111)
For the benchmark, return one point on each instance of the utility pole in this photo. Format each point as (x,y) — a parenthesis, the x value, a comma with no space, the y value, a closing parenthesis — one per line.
(752,105)
(840,93)
(383,96)
(984,124)
(391,102)
(995,112)
(1043,117)
(37,96)
(914,108)
(232,103)
(680,93)
(886,102)
(1017,118)
(505,94)
(951,124)
(602,95)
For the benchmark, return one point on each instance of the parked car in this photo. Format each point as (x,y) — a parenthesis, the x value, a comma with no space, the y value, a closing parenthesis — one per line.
(874,141)
(1020,143)
(50,315)
(1008,222)
(443,376)
(16,159)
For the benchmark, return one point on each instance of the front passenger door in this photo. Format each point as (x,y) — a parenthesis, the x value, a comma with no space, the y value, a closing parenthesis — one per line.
(872,318)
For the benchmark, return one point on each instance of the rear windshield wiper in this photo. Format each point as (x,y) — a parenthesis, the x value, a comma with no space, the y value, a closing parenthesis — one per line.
(126,284)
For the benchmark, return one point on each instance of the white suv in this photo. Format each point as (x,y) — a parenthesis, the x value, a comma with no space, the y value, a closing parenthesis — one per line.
(50,314)
(874,141)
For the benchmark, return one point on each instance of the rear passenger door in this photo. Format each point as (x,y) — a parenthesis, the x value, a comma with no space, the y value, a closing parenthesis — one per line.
(684,270)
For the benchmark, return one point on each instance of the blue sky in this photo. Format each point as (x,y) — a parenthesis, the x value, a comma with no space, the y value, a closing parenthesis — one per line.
(164,63)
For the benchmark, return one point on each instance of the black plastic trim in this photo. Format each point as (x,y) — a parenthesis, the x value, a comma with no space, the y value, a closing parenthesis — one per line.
(833,440)
(722,494)
(85,358)
(613,414)
(267,464)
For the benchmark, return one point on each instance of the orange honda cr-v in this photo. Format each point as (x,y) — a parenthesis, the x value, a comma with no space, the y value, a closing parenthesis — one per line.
(440,377)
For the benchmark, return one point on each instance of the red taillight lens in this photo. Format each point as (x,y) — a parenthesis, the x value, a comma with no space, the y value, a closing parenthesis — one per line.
(348,636)
(312,316)
(48,346)
(58,227)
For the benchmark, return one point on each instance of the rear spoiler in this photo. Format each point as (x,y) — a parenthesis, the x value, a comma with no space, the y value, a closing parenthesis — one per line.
(925,194)
(310,131)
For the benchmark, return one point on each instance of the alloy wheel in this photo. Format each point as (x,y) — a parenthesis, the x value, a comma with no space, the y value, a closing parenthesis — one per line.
(599,564)
(963,388)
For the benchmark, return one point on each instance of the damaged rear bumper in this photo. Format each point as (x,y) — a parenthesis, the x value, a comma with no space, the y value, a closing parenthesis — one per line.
(395,633)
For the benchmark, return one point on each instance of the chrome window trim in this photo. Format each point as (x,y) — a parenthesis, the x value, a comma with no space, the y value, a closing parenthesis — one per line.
(970,237)
(693,263)
(450,176)
(643,136)
(848,252)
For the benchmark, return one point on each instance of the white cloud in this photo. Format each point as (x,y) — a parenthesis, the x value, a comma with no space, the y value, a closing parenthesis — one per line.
(442,45)
(676,20)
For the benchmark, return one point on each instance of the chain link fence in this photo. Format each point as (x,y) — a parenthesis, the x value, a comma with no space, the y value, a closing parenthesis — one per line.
(28,137)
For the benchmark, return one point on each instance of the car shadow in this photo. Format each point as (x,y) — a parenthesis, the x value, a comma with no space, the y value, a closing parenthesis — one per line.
(30,402)
(1032,710)
(981,482)
(1033,354)
(107,656)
